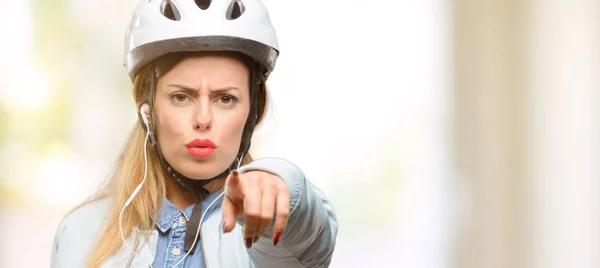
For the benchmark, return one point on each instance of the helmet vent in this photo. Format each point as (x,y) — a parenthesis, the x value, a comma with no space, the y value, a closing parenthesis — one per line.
(169,10)
(203,4)
(235,10)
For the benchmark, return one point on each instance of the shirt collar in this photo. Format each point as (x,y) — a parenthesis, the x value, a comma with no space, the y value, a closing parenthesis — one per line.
(169,213)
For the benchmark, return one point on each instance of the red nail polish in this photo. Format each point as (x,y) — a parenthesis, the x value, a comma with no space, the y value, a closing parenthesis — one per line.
(248,242)
(235,172)
(223,227)
(255,239)
(276,239)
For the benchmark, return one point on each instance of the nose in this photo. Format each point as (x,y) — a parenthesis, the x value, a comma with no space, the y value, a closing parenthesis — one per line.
(204,118)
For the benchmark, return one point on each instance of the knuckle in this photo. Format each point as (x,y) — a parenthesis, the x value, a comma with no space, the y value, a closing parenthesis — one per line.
(282,187)
(254,176)
(283,214)
(269,183)
(266,217)
(252,214)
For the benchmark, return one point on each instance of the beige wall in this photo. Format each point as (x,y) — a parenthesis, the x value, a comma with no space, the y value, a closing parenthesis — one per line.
(489,100)
(527,139)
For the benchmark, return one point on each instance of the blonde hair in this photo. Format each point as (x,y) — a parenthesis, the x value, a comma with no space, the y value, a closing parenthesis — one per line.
(129,170)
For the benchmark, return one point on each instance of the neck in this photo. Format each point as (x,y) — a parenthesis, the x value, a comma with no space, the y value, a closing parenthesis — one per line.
(182,199)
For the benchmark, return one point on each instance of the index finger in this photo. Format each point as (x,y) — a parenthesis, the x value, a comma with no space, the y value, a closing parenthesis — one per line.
(233,187)
(283,211)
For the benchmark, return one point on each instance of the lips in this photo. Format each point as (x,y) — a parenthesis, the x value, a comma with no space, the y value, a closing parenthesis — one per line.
(201,148)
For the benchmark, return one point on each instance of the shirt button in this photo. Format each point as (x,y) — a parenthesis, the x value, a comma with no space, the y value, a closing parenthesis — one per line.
(176,251)
(182,220)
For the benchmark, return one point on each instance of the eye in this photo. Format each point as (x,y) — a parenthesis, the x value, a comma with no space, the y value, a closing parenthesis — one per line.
(179,97)
(227,99)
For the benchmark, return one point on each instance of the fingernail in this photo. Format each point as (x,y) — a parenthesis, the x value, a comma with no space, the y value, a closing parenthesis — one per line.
(235,172)
(276,239)
(223,227)
(255,239)
(248,242)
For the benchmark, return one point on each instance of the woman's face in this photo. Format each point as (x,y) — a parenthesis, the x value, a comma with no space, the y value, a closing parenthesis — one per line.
(201,107)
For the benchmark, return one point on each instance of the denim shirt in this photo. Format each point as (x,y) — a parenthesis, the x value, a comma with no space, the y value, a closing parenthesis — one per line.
(172,225)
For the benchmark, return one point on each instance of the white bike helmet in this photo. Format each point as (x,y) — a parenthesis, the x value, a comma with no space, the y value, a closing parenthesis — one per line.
(159,27)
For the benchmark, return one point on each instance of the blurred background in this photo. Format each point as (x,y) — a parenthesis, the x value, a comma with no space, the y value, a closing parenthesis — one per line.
(449,134)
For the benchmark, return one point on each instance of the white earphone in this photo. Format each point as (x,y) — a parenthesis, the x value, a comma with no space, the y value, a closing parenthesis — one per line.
(144,109)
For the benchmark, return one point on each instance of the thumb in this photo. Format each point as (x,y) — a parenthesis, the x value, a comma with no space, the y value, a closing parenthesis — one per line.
(233,187)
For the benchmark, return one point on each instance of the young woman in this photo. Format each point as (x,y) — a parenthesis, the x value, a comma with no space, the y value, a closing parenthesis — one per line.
(185,192)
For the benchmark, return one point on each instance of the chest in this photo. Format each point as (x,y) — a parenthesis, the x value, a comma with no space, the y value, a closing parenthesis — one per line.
(213,249)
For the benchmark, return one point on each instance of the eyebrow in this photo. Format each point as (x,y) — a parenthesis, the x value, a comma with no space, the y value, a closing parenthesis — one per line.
(195,90)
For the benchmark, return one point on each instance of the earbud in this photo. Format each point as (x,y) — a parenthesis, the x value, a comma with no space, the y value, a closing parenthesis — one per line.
(145,109)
